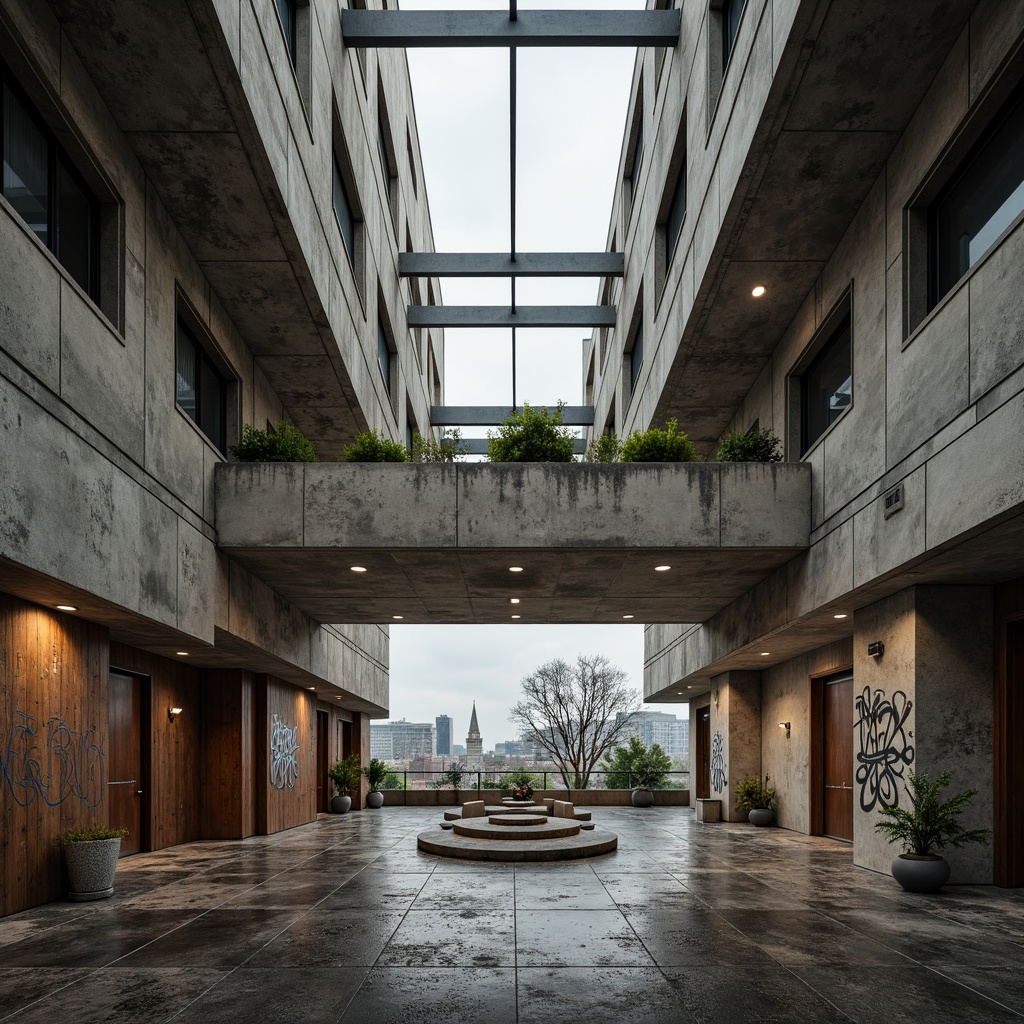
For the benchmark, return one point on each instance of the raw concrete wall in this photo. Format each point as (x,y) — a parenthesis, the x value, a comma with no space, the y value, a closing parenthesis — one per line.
(735,737)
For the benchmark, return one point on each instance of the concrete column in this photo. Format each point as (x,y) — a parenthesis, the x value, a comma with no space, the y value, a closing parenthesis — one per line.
(925,704)
(735,736)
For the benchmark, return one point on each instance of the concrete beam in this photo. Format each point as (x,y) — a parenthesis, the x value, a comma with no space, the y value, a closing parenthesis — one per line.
(478,446)
(503,316)
(500,264)
(493,415)
(382,29)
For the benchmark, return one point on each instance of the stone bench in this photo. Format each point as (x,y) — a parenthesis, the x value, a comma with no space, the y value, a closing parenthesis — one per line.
(473,809)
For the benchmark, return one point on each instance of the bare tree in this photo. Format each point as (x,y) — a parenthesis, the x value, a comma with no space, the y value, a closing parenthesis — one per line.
(577,713)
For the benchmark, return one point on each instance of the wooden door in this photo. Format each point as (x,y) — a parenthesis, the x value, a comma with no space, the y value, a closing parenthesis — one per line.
(124,759)
(1009,754)
(702,755)
(837,758)
(323,782)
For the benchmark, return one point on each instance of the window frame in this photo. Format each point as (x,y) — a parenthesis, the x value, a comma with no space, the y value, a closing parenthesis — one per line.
(187,322)
(821,343)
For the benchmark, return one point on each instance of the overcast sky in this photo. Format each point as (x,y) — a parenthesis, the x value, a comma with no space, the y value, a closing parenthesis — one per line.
(572,110)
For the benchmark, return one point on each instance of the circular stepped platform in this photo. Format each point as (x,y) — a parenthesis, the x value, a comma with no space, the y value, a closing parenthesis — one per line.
(480,828)
(517,820)
(512,848)
(525,808)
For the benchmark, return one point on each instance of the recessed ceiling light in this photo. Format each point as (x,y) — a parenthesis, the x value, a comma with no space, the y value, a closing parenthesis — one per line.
(398,616)
(515,568)
(759,291)
(689,687)
(182,654)
(513,600)
(312,687)
(358,568)
(765,654)
(662,568)
(627,616)
(841,615)
(517,616)
(66,608)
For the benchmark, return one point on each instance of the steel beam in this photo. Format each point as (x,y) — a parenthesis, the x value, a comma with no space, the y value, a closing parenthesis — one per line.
(383,29)
(494,415)
(500,264)
(503,316)
(478,446)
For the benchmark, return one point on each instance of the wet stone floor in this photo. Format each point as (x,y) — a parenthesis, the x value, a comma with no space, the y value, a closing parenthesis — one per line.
(343,920)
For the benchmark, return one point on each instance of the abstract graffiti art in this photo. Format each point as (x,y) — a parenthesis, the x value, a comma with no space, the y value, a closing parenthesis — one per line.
(718,776)
(284,745)
(885,749)
(51,768)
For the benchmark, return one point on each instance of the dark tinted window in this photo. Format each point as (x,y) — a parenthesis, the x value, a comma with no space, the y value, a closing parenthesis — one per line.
(983,200)
(382,148)
(731,11)
(676,213)
(343,212)
(636,358)
(827,387)
(638,156)
(200,389)
(286,12)
(384,355)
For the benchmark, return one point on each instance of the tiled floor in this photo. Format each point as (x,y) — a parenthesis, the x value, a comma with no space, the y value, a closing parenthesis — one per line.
(344,921)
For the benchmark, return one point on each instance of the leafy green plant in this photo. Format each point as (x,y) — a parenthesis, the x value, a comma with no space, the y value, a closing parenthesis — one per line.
(655,445)
(377,772)
(753,795)
(283,443)
(452,777)
(345,774)
(931,823)
(636,766)
(604,448)
(91,834)
(753,446)
(446,449)
(531,435)
(370,446)
(518,785)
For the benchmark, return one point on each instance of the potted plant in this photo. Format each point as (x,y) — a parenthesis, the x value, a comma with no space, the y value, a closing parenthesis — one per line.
(376,773)
(345,776)
(930,824)
(648,773)
(756,798)
(519,785)
(91,856)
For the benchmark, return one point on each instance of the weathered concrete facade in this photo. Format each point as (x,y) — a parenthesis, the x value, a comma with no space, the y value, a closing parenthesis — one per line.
(208,145)
(811,169)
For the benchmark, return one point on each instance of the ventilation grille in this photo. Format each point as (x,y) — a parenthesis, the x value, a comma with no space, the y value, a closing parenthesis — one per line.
(893,500)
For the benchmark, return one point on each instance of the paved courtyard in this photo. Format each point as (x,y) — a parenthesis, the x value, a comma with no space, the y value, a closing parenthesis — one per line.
(343,920)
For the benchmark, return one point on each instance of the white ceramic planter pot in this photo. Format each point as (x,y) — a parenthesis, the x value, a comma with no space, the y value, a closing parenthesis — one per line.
(642,798)
(761,816)
(920,874)
(341,804)
(91,868)
(374,798)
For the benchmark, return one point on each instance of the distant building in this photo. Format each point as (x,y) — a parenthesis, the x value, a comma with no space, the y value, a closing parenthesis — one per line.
(474,742)
(515,748)
(444,727)
(672,734)
(458,750)
(402,740)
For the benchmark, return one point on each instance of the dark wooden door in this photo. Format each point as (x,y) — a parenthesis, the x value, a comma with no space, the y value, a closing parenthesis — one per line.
(124,759)
(323,783)
(837,758)
(702,755)
(346,740)
(1009,757)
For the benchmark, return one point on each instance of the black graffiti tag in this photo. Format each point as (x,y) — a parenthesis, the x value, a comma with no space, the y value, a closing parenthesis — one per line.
(885,749)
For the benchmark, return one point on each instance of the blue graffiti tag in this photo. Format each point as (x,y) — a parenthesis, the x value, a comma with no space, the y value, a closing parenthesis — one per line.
(284,765)
(53,767)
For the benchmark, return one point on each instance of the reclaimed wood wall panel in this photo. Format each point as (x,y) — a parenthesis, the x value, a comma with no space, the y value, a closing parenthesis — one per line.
(53,736)
(228,802)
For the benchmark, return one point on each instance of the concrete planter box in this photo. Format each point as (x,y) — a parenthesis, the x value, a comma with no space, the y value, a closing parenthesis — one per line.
(91,868)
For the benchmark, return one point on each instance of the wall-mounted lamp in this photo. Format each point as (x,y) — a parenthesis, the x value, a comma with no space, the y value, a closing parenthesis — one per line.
(172,714)
(786,726)
(877,649)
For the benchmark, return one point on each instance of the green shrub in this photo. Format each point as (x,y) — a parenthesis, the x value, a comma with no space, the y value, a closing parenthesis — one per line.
(518,785)
(345,774)
(447,449)
(283,443)
(91,834)
(655,445)
(378,774)
(605,448)
(636,766)
(752,795)
(753,446)
(531,435)
(369,446)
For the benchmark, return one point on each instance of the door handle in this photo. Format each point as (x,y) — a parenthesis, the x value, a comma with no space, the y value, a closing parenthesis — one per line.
(138,792)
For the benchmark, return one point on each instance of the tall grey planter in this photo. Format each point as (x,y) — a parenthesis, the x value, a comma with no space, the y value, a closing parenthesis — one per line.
(91,868)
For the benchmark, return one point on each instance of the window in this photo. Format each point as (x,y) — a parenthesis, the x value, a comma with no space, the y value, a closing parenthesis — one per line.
(731,11)
(826,388)
(343,212)
(984,197)
(638,157)
(636,358)
(382,148)
(286,11)
(47,192)
(384,354)
(412,162)
(200,388)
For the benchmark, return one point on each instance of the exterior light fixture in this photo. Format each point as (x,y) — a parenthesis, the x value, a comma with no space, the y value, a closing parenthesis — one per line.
(312,687)
(765,654)
(627,616)
(689,687)
(358,568)
(662,568)
(759,291)
(786,726)
(66,608)
(876,649)
(515,568)
(841,615)
(517,616)
(398,616)
(513,600)
(172,714)
(181,654)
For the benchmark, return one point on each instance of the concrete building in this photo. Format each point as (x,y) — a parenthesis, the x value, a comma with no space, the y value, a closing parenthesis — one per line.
(671,733)
(816,243)
(443,726)
(191,244)
(474,742)
(401,740)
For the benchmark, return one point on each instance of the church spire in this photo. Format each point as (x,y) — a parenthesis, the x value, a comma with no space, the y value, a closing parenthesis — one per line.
(474,728)
(474,742)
